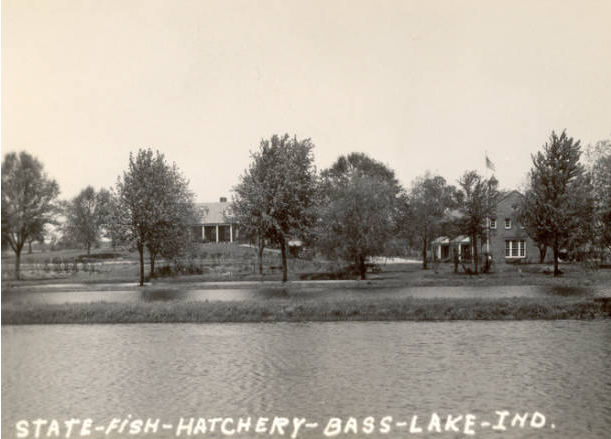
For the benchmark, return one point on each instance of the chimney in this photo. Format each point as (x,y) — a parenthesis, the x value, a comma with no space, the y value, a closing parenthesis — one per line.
(223,200)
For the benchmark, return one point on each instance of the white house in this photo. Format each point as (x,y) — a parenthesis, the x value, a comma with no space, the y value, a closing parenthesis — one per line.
(217,223)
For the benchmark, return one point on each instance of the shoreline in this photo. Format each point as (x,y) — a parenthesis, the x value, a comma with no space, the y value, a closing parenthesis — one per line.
(405,309)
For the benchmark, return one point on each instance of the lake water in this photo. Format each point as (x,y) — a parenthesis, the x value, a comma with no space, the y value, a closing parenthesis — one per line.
(561,369)
(152,294)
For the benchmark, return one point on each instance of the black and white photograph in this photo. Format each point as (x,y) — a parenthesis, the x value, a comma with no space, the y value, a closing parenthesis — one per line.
(306,219)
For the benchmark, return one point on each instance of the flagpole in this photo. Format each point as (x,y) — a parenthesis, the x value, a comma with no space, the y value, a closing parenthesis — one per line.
(488,216)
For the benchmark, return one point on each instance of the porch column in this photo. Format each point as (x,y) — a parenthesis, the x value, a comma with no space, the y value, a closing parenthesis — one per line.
(230,232)
(217,233)
(203,233)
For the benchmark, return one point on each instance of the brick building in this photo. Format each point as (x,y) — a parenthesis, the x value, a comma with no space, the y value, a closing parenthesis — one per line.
(507,240)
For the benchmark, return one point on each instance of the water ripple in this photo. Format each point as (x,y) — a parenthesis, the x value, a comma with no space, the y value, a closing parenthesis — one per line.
(314,370)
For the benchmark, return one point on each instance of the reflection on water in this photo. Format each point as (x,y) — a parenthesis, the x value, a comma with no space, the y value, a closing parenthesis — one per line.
(201,295)
(315,370)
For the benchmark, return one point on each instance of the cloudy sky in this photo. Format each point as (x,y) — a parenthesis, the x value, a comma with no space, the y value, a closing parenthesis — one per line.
(417,85)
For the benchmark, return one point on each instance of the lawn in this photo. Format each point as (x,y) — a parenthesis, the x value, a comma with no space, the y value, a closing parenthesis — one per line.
(234,262)
(209,262)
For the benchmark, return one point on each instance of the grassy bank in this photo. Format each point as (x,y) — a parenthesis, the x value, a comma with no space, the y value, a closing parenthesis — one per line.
(236,263)
(291,311)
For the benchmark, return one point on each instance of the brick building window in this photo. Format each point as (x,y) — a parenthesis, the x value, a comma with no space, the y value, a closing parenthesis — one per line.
(515,248)
(493,223)
(508,223)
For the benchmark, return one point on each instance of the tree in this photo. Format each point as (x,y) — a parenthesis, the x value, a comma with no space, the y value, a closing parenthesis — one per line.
(532,217)
(598,159)
(113,230)
(358,163)
(357,220)
(276,194)
(248,206)
(478,203)
(152,208)
(38,235)
(429,199)
(28,197)
(360,202)
(172,237)
(561,194)
(86,215)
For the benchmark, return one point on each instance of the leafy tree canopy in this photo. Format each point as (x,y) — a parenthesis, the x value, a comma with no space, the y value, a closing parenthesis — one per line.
(360,203)
(275,196)
(153,207)
(560,195)
(429,199)
(28,201)
(358,163)
(598,159)
(478,203)
(85,216)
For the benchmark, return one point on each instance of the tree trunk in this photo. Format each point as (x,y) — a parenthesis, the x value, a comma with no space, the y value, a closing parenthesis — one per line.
(152,257)
(556,257)
(455,257)
(261,248)
(475,253)
(284,264)
(542,253)
(362,268)
(424,255)
(29,247)
(18,264)
(141,252)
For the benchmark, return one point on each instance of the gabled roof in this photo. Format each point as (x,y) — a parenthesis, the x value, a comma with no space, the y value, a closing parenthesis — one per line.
(441,240)
(507,195)
(462,239)
(214,213)
(455,214)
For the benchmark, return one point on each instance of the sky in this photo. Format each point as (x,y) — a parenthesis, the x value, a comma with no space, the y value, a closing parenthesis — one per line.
(416,85)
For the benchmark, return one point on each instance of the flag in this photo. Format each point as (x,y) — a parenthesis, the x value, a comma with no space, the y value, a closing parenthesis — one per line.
(489,164)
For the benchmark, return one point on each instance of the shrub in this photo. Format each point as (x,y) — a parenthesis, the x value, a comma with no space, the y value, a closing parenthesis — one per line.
(190,266)
(97,256)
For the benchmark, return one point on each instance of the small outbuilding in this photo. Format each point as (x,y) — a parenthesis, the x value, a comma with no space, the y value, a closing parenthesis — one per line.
(444,247)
